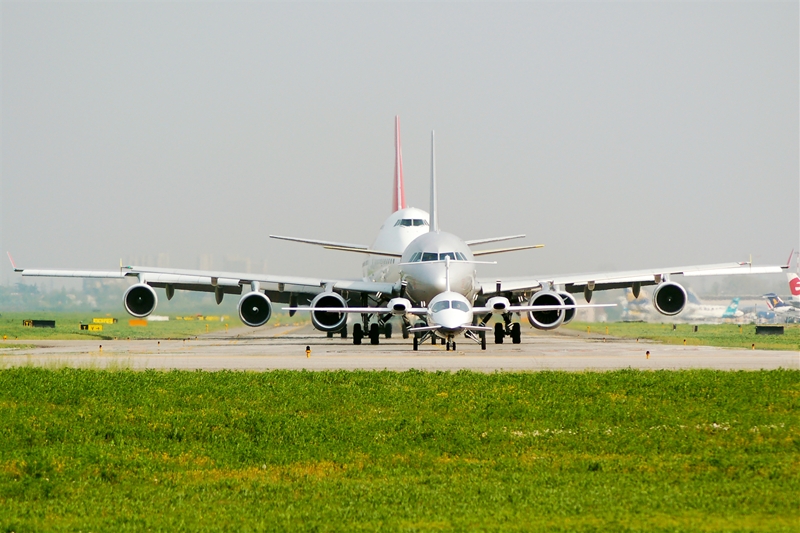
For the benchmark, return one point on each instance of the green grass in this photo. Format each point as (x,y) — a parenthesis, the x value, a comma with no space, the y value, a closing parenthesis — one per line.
(619,451)
(68,327)
(724,335)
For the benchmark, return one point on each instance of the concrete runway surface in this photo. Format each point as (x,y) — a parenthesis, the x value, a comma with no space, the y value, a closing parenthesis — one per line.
(271,348)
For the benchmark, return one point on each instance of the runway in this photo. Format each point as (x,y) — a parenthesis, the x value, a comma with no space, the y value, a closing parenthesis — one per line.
(273,348)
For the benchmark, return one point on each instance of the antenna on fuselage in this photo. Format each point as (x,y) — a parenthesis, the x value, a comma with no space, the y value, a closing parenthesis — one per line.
(434,214)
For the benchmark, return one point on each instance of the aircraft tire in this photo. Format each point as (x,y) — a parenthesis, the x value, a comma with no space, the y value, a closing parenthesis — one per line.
(357,334)
(330,334)
(454,346)
(416,343)
(516,334)
(387,330)
(499,333)
(343,332)
(374,334)
(405,332)
(483,340)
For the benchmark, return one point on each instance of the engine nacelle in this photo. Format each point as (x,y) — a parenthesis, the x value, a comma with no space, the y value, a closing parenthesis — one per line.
(399,306)
(328,320)
(255,309)
(569,299)
(546,319)
(669,298)
(498,304)
(140,300)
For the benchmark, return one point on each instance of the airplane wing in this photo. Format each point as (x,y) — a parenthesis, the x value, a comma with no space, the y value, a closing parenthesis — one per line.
(599,281)
(475,242)
(320,243)
(226,282)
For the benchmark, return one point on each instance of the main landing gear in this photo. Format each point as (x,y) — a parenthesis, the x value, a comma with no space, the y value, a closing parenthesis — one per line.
(507,329)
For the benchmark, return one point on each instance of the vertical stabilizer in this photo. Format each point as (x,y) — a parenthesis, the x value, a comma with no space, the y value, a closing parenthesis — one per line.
(399,196)
(434,213)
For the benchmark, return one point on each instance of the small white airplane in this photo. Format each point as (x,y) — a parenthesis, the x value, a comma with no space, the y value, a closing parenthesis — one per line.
(412,266)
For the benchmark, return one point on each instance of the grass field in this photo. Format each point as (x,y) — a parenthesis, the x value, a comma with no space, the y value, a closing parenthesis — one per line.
(323,451)
(68,327)
(725,335)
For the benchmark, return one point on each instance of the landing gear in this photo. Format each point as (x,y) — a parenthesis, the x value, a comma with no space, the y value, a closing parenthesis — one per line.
(358,334)
(483,340)
(450,345)
(499,333)
(343,331)
(416,343)
(516,334)
(405,331)
(374,334)
(330,334)
(387,330)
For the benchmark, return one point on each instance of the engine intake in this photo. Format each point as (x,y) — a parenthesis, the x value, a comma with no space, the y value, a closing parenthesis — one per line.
(569,299)
(328,320)
(546,319)
(669,298)
(498,304)
(140,300)
(399,306)
(255,309)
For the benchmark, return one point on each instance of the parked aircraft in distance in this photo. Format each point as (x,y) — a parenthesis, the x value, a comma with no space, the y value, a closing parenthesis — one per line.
(412,270)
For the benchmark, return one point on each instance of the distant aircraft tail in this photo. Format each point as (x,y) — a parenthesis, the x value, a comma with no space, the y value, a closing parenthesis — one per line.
(399,199)
(774,301)
(730,312)
(794,286)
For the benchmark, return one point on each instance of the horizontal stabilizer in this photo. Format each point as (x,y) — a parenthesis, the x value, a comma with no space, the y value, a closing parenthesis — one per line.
(319,242)
(493,239)
(477,253)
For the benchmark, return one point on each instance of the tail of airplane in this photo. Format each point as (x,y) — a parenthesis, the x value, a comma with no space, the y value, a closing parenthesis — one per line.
(794,286)
(399,200)
(774,301)
(730,312)
(434,214)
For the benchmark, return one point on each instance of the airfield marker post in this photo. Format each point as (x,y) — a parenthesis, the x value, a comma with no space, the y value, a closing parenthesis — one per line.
(308,352)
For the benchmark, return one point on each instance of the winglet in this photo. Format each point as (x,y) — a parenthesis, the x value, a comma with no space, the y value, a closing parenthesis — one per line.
(13,265)
(789,261)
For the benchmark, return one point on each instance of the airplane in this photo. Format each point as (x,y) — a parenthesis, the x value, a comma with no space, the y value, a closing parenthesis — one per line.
(788,312)
(411,266)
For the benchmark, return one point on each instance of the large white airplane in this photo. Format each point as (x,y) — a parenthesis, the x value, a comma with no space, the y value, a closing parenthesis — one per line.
(412,269)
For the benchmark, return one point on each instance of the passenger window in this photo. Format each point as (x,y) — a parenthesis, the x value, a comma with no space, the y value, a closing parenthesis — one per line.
(440,306)
(430,256)
(461,306)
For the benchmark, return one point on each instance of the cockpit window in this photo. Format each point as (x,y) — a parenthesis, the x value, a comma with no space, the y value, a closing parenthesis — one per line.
(415,257)
(461,306)
(430,256)
(461,256)
(440,306)
(444,255)
(411,222)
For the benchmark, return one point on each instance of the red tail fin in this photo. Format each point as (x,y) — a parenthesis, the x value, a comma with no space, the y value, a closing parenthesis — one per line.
(399,200)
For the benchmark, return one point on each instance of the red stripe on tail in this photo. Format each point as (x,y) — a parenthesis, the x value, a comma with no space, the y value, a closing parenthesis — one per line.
(399,197)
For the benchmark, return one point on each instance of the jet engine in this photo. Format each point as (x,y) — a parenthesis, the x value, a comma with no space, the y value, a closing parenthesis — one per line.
(546,319)
(140,300)
(328,320)
(669,298)
(569,299)
(255,309)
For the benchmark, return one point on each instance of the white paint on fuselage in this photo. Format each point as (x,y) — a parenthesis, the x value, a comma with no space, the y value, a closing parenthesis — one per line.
(451,311)
(394,237)
(427,279)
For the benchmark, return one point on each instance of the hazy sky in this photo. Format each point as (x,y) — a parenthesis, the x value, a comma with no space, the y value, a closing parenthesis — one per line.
(620,135)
